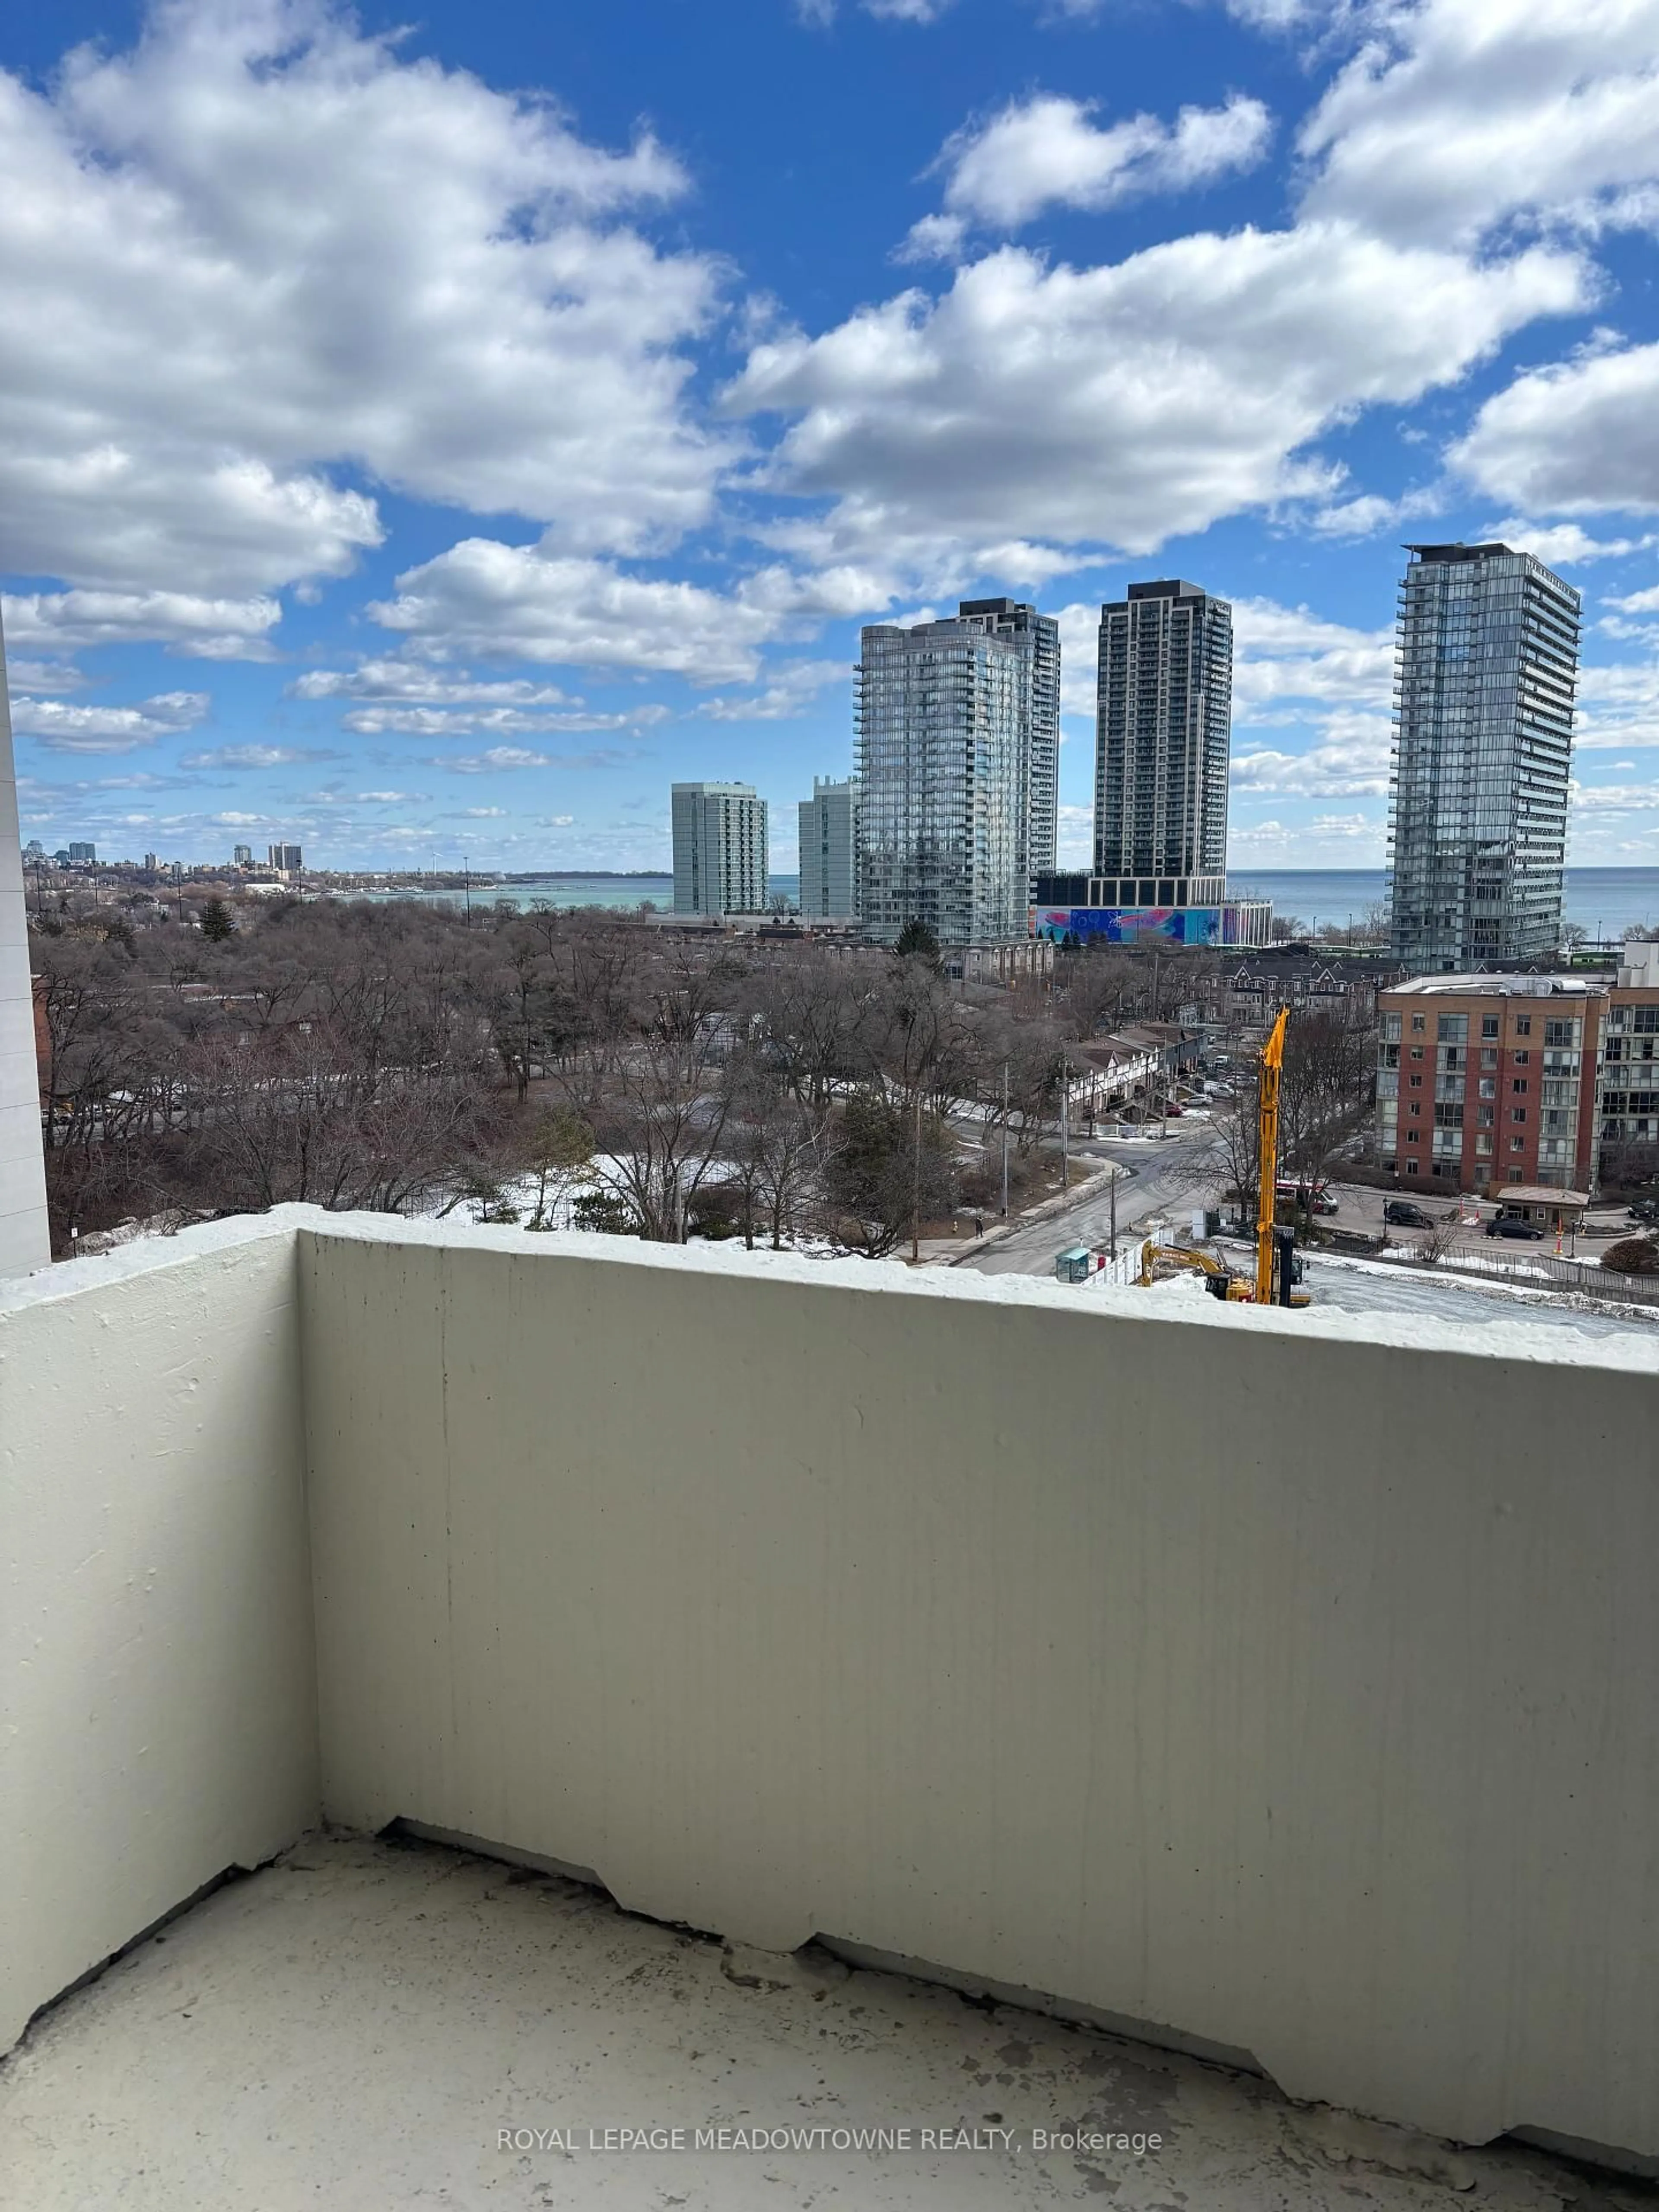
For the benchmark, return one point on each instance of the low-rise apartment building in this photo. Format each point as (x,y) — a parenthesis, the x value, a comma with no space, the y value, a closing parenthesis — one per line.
(1489,1080)
(1484,1081)
(1627,1091)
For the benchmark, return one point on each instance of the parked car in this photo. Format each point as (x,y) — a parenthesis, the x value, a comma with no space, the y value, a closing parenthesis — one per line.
(1317,1199)
(1402,1214)
(1509,1225)
(1644,1210)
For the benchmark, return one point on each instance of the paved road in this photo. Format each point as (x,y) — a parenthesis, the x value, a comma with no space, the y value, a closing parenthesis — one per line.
(1154,1178)
(1361,1207)
(1449,1298)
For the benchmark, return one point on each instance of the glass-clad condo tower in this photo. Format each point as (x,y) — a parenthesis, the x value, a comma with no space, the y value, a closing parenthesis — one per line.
(942,724)
(1486,673)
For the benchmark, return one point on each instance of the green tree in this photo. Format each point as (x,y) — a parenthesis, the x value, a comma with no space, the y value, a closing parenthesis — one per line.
(891,1169)
(917,941)
(218,926)
(562,1160)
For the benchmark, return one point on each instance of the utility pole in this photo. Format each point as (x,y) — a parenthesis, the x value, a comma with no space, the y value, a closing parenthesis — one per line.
(916,1188)
(1005,1141)
(1114,1198)
(1065,1124)
(466,879)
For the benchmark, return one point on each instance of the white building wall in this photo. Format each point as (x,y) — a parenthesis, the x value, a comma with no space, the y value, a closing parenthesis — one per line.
(24,1240)
(157,1687)
(1022,1656)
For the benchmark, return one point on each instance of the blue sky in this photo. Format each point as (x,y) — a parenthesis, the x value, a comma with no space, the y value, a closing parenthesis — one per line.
(436,436)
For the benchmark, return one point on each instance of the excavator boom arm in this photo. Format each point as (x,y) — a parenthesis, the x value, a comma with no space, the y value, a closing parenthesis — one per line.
(1273,1065)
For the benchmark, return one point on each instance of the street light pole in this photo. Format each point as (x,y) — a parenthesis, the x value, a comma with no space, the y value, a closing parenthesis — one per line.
(1005,1141)
(1065,1122)
(916,1188)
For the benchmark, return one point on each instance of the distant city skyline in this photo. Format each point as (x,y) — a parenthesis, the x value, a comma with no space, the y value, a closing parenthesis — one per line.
(1206,291)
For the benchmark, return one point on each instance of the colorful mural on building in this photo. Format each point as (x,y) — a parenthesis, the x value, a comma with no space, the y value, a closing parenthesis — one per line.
(1243,921)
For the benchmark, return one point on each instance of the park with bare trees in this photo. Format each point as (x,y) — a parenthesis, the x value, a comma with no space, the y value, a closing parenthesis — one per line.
(571,1068)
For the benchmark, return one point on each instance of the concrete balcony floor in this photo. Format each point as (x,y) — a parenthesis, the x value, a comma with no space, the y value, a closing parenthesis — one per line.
(352,2027)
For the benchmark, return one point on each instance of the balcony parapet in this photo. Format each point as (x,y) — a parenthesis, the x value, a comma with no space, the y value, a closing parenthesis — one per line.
(1279,1683)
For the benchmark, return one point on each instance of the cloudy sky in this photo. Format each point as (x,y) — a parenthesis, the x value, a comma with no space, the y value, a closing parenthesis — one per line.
(437,438)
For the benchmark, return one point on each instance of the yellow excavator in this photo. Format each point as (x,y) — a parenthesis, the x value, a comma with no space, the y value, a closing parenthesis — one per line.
(1275,1248)
(1160,1260)
(1276,1269)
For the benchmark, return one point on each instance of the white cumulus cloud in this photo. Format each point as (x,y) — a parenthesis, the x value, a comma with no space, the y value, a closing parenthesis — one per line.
(528,603)
(1459,115)
(62,727)
(1048,151)
(206,628)
(1574,438)
(1130,403)
(270,263)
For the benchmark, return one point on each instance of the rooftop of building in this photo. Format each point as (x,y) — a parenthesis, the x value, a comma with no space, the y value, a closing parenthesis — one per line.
(1499,986)
(1442,555)
(957,626)
(1162,587)
(1459,551)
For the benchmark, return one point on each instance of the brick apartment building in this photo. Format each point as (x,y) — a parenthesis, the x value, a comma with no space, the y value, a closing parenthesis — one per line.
(1484,1081)
(1627,1094)
(1489,1080)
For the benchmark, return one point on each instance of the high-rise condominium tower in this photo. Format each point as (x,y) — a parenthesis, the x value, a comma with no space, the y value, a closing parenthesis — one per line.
(1037,637)
(1163,729)
(1486,673)
(719,848)
(830,852)
(943,723)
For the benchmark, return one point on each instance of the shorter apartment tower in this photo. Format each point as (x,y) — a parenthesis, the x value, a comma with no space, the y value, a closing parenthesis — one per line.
(830,851)
(1484,1081)
(943,726)
(719,848)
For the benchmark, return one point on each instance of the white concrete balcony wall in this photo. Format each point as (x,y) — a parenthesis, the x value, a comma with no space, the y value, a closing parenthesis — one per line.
(157,1689)
(1223,1674)
(25,1242)
(1215,1671)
